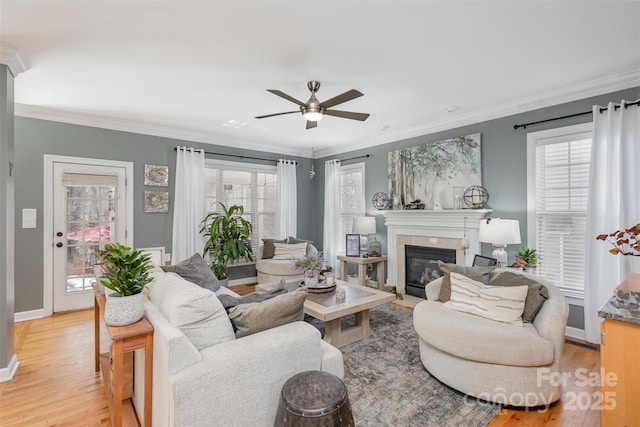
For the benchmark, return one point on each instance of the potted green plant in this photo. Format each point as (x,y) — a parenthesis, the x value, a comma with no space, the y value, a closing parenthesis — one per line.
(310,265)
(527,258)
(228,237)
(125,272)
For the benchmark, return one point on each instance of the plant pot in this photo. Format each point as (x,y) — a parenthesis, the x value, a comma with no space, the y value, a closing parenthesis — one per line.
(310,279)
(121,311)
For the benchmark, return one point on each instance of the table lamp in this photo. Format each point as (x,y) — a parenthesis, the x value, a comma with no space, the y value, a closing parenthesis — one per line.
(364,225)
(500,233)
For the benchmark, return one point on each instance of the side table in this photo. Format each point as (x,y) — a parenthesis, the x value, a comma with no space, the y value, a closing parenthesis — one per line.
(362,268)
(125,339)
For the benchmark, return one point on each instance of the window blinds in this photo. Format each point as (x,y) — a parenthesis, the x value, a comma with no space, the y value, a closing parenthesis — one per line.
(562,178)
(89,180)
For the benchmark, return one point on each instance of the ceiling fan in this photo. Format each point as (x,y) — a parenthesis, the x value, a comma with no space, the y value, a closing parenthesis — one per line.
(313,110)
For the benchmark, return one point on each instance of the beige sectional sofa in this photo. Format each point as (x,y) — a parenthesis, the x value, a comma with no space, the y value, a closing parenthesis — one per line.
(204,376)
(491,360)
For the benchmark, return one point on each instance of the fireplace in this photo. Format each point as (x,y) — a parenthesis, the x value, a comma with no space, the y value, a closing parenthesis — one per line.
(421,266)
(455,229)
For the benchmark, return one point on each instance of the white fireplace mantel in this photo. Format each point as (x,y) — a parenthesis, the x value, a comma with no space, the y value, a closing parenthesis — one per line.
(458,225)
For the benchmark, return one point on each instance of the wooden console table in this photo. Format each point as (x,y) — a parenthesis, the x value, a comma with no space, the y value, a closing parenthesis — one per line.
(125,339)
(362,268)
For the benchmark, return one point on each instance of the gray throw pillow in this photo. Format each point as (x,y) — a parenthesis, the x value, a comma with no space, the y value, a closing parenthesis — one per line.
(268,250)
(196,270)
(254,317)
(479,274)
(536,295)
(229,301)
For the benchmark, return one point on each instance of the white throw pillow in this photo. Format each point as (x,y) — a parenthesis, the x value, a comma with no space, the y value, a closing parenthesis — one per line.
(292,251)
(196,311)
(504,304)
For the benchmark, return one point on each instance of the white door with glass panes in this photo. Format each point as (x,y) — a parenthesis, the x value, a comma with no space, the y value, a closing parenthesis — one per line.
(89,210)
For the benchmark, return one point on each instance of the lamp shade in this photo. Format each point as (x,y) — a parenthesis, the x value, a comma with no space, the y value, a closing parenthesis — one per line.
(364,225)
(500,232)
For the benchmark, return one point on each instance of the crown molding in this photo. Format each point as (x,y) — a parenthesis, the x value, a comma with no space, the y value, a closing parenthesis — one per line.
(52,114)
(11,57)
(562,95)
(558,96)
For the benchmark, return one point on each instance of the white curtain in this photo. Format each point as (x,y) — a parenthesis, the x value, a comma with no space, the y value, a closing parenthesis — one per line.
(189,204)
(614,204)
(332,238)
(287,199)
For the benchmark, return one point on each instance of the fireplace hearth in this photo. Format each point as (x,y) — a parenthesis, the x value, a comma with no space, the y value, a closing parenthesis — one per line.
(421,267)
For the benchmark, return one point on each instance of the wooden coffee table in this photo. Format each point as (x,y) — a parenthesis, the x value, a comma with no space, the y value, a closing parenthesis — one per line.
(324,307)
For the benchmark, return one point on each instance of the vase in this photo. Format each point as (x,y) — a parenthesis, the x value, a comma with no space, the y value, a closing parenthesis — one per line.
(634,262)
(310,279)
(121,311)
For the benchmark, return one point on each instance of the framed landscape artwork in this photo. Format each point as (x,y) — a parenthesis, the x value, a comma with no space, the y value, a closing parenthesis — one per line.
(429,172)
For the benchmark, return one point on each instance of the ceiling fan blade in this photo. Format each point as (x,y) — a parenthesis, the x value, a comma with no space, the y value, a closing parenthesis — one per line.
(311,125)
(276,114)
(285,96)
(347,115)
(347,96)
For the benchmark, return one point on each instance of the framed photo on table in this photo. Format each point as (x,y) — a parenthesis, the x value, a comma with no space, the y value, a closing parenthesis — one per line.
(484,261)
(353,245)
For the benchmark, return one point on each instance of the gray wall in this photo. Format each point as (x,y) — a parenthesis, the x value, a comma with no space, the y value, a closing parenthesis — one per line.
(503,174)
(35,138)
(504,166)
(7,348)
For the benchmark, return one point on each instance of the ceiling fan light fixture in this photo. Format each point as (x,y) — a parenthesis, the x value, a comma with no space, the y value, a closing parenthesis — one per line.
(312,114)
(313,110)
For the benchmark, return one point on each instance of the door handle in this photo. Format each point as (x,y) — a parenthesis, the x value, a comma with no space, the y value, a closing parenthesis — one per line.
(59,245)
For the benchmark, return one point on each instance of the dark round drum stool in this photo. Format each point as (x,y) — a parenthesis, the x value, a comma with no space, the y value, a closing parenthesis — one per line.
(314,399)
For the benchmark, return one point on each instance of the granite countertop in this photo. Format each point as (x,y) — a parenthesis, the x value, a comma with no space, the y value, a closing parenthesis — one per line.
(623,306)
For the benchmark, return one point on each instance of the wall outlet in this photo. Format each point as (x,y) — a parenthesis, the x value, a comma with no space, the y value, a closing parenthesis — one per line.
(167,257)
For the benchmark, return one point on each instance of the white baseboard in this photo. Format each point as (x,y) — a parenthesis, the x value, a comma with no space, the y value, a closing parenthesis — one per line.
(244,281)
(575,333)
(6,374)
(28,315)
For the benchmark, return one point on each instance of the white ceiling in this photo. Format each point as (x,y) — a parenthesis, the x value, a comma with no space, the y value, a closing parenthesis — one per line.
(198,70)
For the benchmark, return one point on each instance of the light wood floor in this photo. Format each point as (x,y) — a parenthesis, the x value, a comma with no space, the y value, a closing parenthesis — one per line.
(56,384)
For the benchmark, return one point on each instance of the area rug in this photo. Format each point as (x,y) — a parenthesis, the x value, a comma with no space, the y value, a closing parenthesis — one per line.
(388,386)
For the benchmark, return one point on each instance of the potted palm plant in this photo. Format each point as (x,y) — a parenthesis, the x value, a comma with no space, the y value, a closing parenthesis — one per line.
(125,272)
(228,237)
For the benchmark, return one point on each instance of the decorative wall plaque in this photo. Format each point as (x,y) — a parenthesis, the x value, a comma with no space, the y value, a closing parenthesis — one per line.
(157,176)
(156,201)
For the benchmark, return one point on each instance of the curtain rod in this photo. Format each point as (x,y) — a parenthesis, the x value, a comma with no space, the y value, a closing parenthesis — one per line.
(236,155)
(602,110)
(366,156)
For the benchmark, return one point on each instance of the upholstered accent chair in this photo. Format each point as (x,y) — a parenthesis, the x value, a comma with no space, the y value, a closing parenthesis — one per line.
(494,361)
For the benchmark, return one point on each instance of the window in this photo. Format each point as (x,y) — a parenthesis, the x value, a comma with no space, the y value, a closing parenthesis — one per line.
(249,185)
(558,179)
(351,195)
